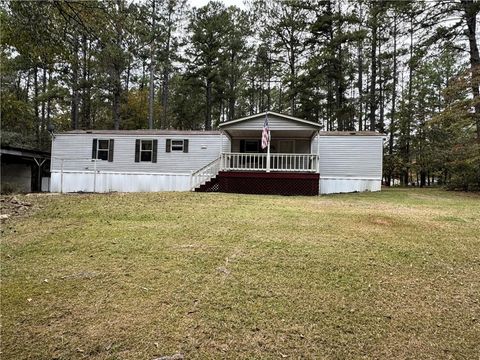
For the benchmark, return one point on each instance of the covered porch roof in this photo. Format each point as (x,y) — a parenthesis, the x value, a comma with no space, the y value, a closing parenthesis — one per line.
(280,125)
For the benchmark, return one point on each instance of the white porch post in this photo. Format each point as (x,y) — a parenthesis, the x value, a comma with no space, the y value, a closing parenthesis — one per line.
(268,154)
(318,151)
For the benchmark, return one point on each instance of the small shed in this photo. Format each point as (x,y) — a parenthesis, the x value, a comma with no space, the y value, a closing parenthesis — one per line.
(24,170)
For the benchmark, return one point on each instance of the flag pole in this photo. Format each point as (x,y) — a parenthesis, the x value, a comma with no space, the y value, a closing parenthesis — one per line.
(268,148)
(266,141)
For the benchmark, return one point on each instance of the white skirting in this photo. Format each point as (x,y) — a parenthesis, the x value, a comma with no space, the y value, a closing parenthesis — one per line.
(331,185)
(87,181)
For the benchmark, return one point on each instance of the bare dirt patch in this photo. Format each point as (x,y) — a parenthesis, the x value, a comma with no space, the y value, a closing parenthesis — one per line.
(13,206)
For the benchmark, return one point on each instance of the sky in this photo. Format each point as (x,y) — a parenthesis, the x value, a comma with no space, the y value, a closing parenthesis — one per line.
(200,3)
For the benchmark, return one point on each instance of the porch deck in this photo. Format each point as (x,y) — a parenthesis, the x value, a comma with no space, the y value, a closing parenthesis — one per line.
(256,173)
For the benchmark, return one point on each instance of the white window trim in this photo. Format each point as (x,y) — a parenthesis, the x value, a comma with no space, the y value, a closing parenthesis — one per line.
(151,151)
(107,149)
(177,150)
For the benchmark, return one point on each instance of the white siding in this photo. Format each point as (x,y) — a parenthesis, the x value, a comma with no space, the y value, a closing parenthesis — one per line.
(351,156)
(76,150)
(349,163)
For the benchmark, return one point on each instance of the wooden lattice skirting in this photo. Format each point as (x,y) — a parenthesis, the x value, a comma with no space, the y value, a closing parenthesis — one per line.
(275,183)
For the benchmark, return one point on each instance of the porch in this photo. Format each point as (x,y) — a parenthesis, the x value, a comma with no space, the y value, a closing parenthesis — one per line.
(251,173)
(289,167)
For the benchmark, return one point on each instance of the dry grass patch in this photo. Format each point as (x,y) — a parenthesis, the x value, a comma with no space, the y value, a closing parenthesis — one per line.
(121,276)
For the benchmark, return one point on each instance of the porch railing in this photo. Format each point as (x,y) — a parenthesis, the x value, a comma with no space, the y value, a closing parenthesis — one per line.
(278,162)
(202,175)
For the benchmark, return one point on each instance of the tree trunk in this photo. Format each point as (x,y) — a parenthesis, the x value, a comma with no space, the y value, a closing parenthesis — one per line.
(35,106)
(269,72)
(381,123)
(208,114)
(44,93)
(166,72)
(117,69)
(292,74)
(49,100)
(373,78)
(360,83)
(86,124)
(406,156)
(394,96)
(142,83)
(232,85)
(339,79)
(75,99)
(151,94)
(471,12)
(27,86)
(423,178)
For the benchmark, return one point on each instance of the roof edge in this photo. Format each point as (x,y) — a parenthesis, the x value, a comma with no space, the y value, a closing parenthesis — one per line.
(350,133)
(139,132)
(221,125)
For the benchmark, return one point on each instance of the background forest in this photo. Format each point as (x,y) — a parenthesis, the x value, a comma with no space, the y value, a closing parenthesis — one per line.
(409,69)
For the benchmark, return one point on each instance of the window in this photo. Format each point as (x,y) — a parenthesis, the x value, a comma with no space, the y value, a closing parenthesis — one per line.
(177,145)
(102,149)
(146,150)
(249,146)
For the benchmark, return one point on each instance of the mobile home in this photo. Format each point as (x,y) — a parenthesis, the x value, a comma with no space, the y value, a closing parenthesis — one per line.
(300,160)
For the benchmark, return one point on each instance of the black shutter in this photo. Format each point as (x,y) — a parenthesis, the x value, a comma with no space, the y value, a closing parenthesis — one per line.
(185,145)
(154,152)
(242,146)
(110,151)
(94,149)
(137,150)
(167,148)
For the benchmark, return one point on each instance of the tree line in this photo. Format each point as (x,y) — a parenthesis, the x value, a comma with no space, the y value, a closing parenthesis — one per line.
(408,69)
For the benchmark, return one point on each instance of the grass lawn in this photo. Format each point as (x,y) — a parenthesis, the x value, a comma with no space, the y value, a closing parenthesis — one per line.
(383,275)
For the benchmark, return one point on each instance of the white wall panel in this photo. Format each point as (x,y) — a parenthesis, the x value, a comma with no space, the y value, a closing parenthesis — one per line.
(76,150)
(351,156)
(339,185)
(76,181)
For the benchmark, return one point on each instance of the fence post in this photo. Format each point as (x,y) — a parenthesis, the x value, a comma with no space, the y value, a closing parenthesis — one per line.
(94,175)
(61,177)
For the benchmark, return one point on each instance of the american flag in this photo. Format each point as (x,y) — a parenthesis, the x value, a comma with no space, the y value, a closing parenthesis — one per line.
(265,133)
